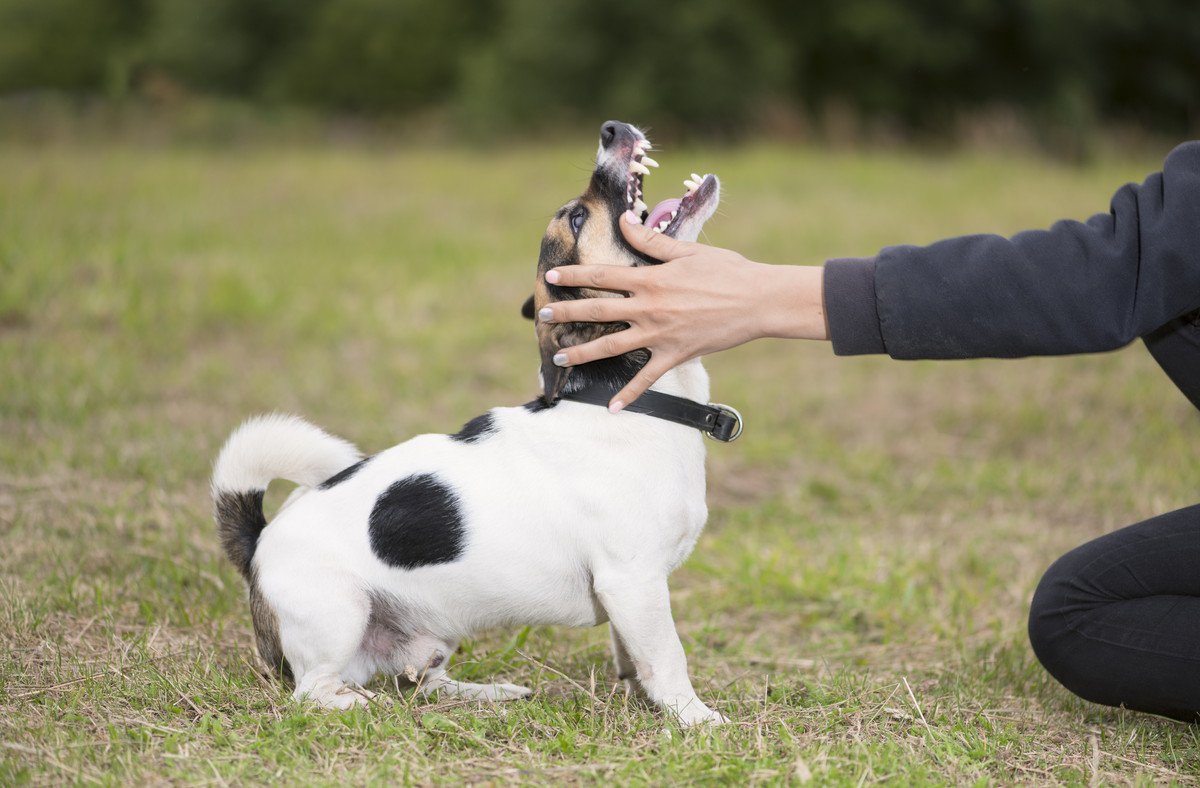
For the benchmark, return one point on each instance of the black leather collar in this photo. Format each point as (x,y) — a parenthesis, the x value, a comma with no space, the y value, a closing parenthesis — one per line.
(716,421)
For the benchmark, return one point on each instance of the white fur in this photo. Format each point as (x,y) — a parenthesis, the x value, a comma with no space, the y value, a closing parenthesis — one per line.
(279,446)
(572,516)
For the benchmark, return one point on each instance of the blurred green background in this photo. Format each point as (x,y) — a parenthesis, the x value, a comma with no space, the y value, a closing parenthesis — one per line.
(710,66)
(215,209)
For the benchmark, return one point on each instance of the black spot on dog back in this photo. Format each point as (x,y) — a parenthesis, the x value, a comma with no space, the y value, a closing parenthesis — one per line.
(476,429)
(417,522)
(537,406)
(343,474)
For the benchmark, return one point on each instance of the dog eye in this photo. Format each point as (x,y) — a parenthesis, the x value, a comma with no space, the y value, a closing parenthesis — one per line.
(577,217)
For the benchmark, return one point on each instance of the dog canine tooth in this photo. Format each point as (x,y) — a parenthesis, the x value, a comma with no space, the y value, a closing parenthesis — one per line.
(691,185)
(639,206)
(639,168)
(649,162)
(697,178)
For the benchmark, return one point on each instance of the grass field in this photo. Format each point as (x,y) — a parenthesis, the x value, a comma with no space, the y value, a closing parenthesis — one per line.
(856,606)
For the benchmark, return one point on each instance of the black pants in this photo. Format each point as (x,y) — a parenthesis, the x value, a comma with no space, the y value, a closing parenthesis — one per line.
(1117,620)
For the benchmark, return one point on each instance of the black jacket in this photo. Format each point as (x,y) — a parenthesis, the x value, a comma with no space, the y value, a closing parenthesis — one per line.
(1075,288)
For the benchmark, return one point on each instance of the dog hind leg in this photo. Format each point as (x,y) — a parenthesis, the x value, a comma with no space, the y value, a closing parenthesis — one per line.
(465,689)
(436,679)
(321,628)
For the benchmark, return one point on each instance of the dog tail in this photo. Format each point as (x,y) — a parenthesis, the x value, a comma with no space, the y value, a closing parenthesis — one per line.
(264,448)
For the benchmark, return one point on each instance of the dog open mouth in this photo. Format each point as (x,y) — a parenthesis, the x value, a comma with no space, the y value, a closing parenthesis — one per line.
(669,215)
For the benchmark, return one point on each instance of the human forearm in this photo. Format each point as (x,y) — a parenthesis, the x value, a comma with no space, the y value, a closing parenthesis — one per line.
(788,302)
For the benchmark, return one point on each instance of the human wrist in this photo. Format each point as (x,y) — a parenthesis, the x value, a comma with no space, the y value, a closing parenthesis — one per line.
(792,302)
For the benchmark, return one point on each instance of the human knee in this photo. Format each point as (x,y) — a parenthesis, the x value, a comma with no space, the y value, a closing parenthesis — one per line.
(1050,614)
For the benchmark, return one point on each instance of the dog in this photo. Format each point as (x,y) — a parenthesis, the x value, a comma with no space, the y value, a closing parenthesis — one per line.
(555,512)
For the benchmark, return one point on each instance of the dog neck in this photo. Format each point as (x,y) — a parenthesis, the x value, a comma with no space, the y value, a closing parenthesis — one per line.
(688,380)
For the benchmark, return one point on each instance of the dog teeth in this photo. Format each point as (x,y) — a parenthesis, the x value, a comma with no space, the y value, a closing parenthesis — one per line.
(649,162)
(697,178)
(691,185)
(665,223)
(674,214)
(639,168)
(639,206)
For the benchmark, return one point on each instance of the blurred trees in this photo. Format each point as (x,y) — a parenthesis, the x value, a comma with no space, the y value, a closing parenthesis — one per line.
(711,64)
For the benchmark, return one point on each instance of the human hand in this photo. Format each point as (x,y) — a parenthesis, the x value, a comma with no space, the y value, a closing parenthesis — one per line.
(700,301)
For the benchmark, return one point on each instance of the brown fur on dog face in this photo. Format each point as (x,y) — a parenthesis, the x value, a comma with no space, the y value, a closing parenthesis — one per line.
(584,231)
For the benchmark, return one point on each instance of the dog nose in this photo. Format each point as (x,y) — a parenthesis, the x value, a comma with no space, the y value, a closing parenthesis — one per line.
(608,133)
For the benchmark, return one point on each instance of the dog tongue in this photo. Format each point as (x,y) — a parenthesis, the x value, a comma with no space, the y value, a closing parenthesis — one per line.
(662,211)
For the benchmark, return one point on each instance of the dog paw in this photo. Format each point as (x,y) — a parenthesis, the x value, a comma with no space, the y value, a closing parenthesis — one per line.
(349,697)
(510,691)
(696,714)
(493,692)
(469,691)
(338,697)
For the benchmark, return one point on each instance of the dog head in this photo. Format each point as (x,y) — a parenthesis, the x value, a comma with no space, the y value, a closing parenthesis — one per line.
(586,231)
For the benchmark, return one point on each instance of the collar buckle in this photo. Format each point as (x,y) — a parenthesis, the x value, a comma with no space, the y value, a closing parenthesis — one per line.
(728,425)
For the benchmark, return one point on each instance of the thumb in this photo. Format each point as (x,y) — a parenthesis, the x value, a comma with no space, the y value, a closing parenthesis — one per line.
(645,240)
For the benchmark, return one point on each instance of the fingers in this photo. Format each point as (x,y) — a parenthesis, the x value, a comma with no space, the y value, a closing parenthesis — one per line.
(601,277)
(656,245)
(644,379)
(604,347)
(588,310)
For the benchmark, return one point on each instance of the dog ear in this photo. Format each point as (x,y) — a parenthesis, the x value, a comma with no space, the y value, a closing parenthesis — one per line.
(554,377)
(527,308)
(551,338)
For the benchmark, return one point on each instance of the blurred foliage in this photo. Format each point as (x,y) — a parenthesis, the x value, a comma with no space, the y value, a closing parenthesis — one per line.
(709,64)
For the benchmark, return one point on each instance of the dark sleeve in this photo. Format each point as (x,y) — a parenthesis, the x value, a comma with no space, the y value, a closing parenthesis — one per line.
(1075,288)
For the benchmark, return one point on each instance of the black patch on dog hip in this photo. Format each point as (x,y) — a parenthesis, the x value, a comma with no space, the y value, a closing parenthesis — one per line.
(343,474)
(476,429)
(266,632)
(417,522)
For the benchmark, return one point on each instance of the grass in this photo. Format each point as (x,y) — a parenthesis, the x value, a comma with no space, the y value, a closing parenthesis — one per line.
(856,605)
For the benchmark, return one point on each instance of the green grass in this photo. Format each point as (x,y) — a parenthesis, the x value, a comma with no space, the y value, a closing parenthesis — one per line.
(856,605)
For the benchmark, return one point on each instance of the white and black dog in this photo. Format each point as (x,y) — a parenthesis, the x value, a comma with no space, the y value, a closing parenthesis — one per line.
(556,512)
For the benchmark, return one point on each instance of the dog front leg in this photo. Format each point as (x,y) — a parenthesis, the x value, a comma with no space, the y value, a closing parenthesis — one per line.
(640,612)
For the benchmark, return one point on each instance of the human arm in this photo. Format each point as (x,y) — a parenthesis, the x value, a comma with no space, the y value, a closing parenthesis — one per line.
(1074,288)
(1078,287)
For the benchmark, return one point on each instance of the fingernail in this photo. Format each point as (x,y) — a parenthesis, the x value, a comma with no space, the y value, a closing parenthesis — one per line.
(560,359)
(545,313)
(633,218)
(615,406)
(552,277)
